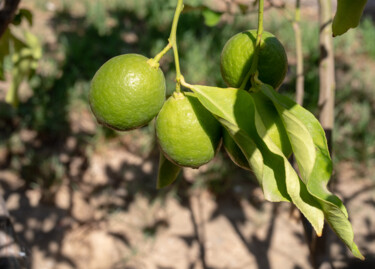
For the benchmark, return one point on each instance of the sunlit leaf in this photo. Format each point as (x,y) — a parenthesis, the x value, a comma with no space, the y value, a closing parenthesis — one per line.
(316,173)
(168,172)
(347,16)
(236,111)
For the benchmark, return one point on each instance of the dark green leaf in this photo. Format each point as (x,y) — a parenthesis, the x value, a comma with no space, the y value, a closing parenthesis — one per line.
(23,13)
(236,111)
(347,16)
(314,162)
(168,172)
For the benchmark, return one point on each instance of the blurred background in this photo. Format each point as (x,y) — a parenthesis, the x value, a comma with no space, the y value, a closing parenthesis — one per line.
(83,196)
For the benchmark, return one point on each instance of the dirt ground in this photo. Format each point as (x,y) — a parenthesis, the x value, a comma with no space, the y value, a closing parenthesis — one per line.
(104,224)
(107,214)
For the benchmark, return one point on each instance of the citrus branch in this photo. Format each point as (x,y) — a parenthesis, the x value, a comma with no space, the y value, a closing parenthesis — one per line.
(161,54)
(299,54)
(254,65)
(172,43)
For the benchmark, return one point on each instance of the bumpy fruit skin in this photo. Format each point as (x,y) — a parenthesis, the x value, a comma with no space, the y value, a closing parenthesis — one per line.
(127,92)
(237,56)
(187,133)
(274,128)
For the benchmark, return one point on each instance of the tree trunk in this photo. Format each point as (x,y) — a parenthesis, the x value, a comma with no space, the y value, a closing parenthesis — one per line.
(319,250)
(300,81)
(326,70)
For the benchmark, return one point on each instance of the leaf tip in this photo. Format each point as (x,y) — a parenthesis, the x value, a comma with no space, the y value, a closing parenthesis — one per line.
(357,253)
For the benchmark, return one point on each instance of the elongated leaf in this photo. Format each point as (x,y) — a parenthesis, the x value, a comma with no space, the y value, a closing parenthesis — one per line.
(236,111)
(347,16)
(168,172)
(301,124)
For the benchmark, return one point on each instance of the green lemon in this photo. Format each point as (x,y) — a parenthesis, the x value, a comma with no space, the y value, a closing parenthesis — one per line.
(274,129)
(127,92)
(188,134)
(237,55)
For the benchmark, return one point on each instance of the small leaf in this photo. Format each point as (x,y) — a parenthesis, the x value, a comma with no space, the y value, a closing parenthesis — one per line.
(27,15)
(301,124)
(168,172)
(211,18)
(23,13)
(236,111)
(347,16)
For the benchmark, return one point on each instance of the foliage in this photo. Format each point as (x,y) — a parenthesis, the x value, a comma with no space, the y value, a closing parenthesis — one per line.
(24,53)
(62,83)
(347,16)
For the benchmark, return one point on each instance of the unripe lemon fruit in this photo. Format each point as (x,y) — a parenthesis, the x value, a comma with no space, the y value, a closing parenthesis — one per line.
(188,134)
(238,53)
(127,92)
(274,129)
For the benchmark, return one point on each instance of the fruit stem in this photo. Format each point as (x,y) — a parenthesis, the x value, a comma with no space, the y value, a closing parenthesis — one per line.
(173,41)
(164,51)
(185,84)
(254,64)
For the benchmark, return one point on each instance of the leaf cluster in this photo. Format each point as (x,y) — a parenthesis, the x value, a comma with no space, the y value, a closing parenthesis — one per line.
(22,53)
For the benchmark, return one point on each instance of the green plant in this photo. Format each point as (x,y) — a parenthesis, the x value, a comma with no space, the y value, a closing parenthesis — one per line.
(22,53)
(242,111)
(368,36)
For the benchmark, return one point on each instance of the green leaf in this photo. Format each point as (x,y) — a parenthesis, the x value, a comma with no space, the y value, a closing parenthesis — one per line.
(211,18)
(308,141)
(23,13)
(236,111)
(347,16)
(168,172)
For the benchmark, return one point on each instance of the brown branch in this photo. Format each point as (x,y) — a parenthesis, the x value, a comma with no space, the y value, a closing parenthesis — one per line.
(319,252)
(299,55)
(7,12)
(326,68)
